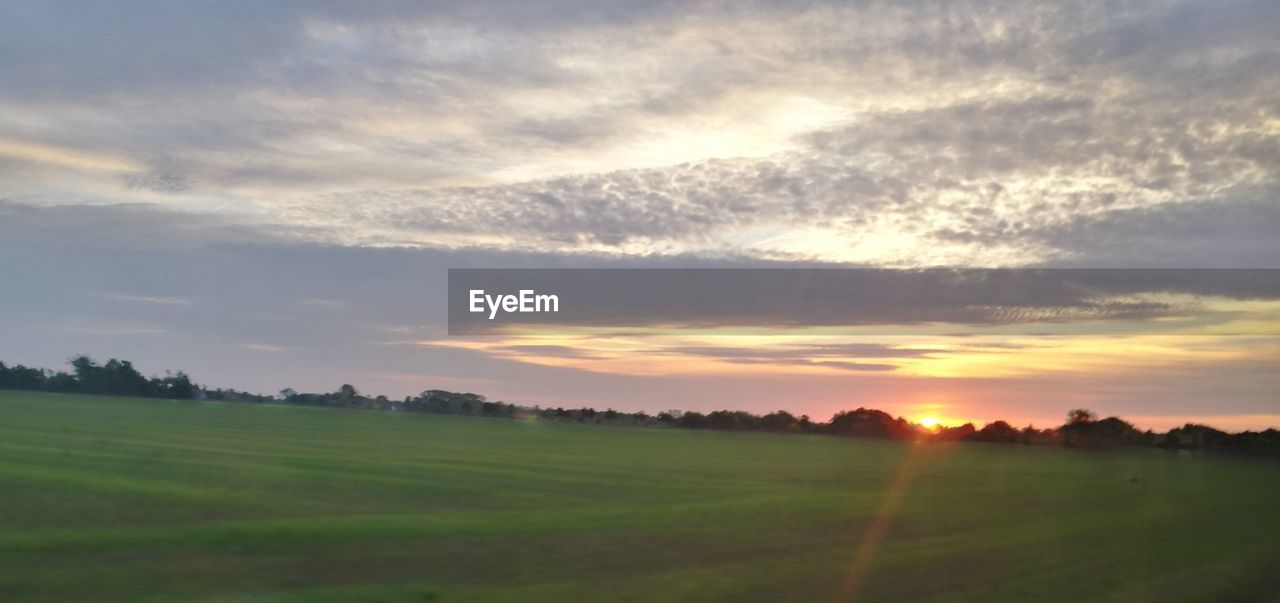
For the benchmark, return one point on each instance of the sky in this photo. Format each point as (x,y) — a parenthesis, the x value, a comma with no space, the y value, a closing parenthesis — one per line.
(268,195)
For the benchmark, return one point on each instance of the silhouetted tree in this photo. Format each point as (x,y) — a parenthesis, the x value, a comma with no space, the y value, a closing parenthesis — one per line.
(1107,433)
(179,387)
(1080,415)
(1082,428)
(21,377)
(693,420)
(953,434)
(996,431)
(730,420)
(870,423)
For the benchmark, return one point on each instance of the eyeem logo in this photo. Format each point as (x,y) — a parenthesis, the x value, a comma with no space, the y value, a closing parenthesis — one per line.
(527,301)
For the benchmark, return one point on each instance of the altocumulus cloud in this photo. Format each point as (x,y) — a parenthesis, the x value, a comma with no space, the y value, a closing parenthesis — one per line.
(982,133)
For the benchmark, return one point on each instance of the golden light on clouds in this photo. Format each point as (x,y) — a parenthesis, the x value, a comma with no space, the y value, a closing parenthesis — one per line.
(900,356)
(67,157)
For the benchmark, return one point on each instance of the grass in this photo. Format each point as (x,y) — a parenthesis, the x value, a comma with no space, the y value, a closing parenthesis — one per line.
(118,499)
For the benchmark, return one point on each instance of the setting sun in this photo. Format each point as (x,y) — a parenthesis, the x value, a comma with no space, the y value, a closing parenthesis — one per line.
(929,422)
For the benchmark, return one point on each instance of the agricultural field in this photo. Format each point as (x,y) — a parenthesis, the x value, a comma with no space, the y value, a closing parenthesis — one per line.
(143,500)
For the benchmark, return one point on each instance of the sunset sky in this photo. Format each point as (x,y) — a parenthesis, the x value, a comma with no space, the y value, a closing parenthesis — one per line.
(268,195)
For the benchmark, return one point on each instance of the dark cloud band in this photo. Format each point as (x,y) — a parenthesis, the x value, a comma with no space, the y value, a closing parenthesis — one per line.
(1013,301)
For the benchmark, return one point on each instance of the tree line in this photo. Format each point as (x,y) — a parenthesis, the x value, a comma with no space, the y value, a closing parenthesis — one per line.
(116,377)
(1082,429)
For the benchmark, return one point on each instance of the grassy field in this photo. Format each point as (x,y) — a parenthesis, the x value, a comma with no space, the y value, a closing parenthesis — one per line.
(116,499)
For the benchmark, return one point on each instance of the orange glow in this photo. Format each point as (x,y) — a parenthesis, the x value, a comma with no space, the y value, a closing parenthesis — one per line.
(935,381)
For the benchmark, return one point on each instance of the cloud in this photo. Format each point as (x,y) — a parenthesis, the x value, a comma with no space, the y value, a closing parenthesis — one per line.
(748,301)
(1208,234)
(857,132)
(857,350)
(556,351)
(245,283)
(843,365)
(148,299)
(110,331)
(836,356)
(250,156)
(984,183)
(324,303)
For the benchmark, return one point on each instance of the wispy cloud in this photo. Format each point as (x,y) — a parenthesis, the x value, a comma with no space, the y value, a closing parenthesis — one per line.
(148,299)
(324,303)
(111,330)
(1026,132)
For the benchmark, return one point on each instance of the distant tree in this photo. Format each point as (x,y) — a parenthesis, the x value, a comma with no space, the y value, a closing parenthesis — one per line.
(83,366)
(1031,435)
(779,420)
(731,420)
(62,381)
(952,434)
(1107,433)
(21,377)
(116,377)
(806,424)
(870,423)
(692,420)
(1082,429)
(996,431)
(179,387)
(1080,415)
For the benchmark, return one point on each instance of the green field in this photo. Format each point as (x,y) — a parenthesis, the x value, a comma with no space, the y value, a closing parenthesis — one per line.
(117,499)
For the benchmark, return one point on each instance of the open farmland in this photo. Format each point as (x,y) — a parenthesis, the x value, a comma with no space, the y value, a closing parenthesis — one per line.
(121,499)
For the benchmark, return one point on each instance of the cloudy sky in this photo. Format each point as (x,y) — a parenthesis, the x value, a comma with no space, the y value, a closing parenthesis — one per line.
(268,194)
